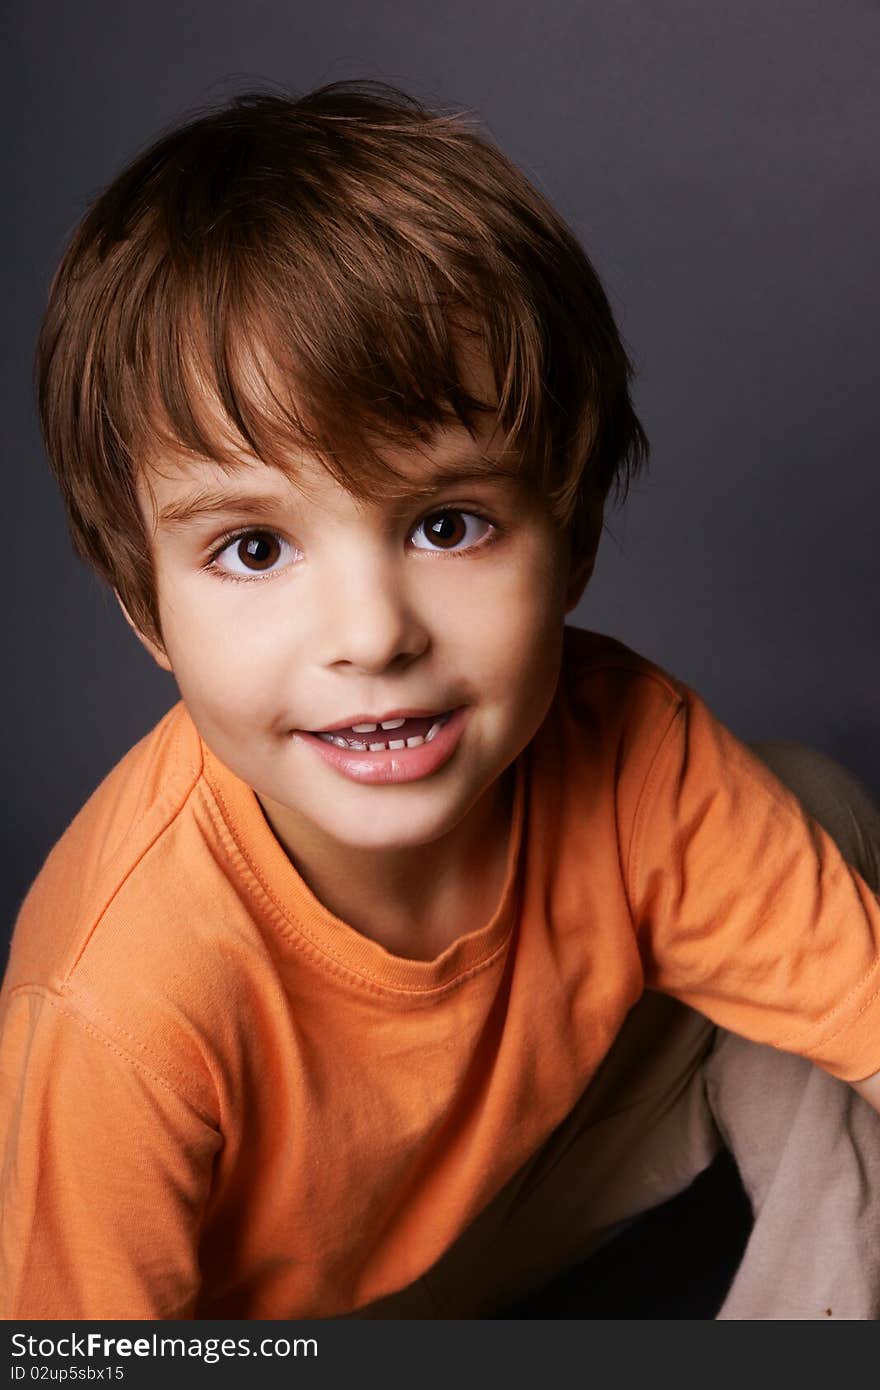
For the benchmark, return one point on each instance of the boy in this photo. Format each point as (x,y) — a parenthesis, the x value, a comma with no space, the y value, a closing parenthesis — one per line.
(326,1004)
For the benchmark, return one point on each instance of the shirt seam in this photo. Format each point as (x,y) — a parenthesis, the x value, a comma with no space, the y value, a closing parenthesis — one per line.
(634,847)
(803,1041)
(814,1038)
(637,666)
(67,1009)
(167,810)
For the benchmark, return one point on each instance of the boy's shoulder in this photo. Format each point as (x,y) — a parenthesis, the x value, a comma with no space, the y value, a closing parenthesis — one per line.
(111,836)
(613,712)
(604,680)
(114,930)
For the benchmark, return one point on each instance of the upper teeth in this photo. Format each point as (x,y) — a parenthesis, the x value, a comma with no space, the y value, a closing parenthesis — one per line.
(371,728)
(414,742)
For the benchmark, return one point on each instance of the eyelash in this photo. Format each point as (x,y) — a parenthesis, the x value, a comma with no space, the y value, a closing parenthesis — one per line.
(211,567)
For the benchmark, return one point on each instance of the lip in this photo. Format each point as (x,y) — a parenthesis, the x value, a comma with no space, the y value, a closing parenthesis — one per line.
(391,765)
(374,719)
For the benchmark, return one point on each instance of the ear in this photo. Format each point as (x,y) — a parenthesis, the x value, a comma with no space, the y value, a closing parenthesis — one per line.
(156,651)
(584,546)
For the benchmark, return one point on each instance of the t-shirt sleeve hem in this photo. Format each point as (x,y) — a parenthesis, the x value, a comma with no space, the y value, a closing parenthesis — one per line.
(851,1051)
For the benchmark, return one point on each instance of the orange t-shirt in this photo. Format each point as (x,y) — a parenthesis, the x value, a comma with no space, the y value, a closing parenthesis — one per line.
(217,1100)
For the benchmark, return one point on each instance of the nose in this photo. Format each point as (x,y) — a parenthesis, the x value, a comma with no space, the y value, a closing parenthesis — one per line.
(369,618)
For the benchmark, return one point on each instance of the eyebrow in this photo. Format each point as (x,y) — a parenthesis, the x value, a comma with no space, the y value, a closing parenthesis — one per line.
(208,501)
(214,502)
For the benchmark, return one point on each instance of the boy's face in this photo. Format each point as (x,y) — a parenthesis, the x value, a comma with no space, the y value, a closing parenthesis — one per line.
(290,608)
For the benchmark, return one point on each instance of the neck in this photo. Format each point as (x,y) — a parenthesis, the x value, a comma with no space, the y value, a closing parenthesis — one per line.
(414,901)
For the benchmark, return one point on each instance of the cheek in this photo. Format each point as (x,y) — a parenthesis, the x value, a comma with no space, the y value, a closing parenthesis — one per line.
(513,629)
(226,672)
(537,624)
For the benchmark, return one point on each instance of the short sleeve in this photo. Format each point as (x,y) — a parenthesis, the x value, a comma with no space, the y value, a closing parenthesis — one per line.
(106,1173)
(744,907)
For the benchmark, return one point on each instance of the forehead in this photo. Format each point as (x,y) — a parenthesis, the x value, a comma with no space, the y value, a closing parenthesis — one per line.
(267,415)
(175,478)
(176,489)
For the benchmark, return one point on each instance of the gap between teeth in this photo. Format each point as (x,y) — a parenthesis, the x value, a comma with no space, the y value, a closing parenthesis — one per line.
(394,743)
(371,728)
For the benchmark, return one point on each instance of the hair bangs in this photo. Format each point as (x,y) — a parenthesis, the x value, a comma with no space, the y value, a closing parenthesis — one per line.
(272,356)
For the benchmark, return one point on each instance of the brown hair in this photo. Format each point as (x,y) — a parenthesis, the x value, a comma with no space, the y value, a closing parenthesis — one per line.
(315,264)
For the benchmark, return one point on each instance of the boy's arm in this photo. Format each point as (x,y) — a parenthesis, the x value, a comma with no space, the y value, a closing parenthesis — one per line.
(106,1169)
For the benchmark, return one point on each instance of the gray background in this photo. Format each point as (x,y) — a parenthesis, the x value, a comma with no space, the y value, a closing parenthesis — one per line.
(719,162)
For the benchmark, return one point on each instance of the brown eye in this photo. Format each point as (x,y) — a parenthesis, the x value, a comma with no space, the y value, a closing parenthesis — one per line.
(254,553)
(445,529)
(451,530)
(259,550)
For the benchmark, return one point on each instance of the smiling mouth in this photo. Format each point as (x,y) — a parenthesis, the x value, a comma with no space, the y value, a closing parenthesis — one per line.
(391,734)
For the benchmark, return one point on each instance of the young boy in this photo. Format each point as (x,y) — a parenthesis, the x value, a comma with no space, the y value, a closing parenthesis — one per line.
(327,1002)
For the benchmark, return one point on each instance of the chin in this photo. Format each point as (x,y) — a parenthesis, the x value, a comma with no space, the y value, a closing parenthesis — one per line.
(403,830)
